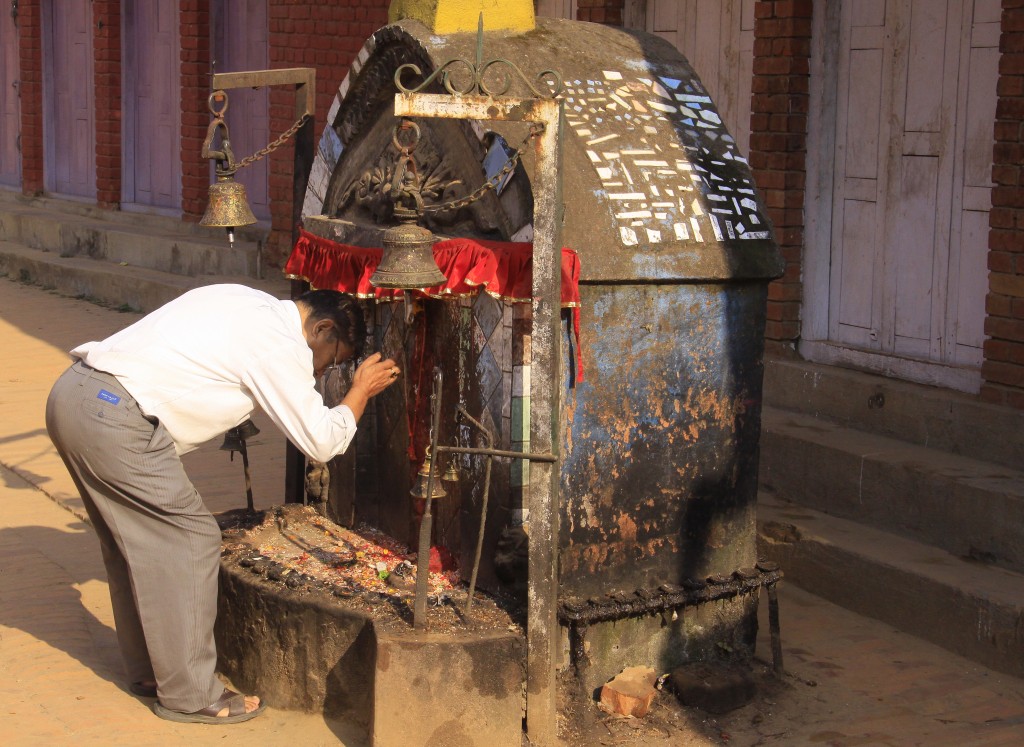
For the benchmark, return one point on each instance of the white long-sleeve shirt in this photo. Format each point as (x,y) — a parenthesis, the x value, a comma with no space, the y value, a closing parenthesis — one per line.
(202,362)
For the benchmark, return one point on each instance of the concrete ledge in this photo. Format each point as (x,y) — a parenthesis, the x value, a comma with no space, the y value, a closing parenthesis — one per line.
(145,243)
(968,608)
(111,283)
(925,415)
(967,507)
(304,650)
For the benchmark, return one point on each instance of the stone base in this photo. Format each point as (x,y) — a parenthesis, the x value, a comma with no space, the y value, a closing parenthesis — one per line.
(303,650)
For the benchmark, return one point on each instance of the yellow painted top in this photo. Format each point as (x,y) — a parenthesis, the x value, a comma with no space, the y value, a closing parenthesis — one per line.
(453,16)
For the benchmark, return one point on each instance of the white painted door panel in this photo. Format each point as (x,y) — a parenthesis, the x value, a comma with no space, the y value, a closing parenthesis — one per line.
(906,231)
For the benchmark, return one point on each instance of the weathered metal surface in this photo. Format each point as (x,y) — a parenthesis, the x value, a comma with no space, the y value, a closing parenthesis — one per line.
(658,443)
(303,78)
(660,463)
(653,177)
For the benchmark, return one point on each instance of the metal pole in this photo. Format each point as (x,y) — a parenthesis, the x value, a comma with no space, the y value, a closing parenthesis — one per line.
(304,80)
(545,406)
(545,391)
(419,612)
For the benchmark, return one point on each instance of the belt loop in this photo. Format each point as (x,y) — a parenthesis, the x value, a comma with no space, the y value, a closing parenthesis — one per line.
(89,371)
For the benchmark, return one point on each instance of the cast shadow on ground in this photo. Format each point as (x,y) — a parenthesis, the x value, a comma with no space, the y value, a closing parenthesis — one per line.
(38,594)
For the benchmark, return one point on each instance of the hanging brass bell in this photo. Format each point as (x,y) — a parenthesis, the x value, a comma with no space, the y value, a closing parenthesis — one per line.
(408,260)
(228,206)
(235,438)
(419,490)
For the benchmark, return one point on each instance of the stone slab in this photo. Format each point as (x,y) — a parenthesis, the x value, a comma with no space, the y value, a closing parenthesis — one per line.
(305,652)
(970,508)
(930,416)
(969,608)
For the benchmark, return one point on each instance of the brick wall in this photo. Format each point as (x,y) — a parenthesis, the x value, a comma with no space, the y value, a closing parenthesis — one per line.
(1003,368)
(30,35)
(107,100)
(608,12)
(325,36)
(194,31)
(778,144)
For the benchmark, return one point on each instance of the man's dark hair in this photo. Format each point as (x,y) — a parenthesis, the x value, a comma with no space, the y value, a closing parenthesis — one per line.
(343,310)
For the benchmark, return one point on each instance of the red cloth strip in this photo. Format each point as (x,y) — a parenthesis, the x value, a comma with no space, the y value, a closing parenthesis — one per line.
(503,269)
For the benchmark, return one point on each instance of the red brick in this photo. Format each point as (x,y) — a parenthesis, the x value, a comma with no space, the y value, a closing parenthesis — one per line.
(1005,329)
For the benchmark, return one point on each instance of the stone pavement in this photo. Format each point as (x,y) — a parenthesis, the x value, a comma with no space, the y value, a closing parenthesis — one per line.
(850,680)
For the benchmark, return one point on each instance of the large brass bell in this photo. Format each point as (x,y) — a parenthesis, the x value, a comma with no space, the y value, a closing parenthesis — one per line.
(419,490)
(408,260)
(228,206)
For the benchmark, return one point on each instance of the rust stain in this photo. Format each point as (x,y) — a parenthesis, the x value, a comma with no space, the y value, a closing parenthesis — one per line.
(627,528)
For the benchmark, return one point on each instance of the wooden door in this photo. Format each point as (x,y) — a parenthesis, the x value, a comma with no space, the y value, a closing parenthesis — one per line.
(10,110)
(717,37)
(557,9)
(152,106)
(240,43)
(70,122)
(914,112)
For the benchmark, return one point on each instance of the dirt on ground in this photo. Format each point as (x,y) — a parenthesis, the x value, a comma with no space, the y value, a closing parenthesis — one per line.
(361,568)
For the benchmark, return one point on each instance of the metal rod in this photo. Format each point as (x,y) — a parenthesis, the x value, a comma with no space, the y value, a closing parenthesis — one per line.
(668,597)
(248,480)
(441,449)
(483,507)
(773,627)
(304,79)
(419,615)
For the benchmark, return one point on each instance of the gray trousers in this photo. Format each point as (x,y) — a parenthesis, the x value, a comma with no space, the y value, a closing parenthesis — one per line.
(160,544)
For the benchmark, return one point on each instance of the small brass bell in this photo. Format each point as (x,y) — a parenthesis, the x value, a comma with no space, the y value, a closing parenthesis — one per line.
(234,440)
(236,437)
(451,474)
(228,206)
(408,260)
(419,490)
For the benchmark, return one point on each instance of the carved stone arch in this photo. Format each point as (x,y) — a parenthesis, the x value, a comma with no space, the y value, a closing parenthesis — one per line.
(448,158)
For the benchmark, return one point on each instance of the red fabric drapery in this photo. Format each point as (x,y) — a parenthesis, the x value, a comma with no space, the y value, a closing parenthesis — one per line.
(501,268)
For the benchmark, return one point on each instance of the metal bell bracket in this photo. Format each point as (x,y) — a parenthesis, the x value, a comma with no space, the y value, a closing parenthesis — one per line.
(225,158)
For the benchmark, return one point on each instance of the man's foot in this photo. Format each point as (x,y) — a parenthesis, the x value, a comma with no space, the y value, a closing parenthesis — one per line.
(230,708)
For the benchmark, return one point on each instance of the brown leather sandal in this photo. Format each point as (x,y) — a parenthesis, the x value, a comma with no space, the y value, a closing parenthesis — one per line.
(229,699)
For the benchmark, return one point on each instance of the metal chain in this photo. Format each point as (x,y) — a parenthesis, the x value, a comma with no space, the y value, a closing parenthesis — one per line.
(492,183)
(273,146)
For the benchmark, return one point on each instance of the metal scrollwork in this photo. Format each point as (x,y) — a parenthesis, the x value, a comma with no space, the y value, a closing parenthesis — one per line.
(548,80)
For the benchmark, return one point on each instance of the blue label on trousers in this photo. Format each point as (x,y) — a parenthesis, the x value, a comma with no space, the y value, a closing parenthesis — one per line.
(108,397)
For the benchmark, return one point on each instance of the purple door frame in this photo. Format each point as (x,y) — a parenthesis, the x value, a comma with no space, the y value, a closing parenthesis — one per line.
(10,105)
(68,104)
(240,42)
(151,177)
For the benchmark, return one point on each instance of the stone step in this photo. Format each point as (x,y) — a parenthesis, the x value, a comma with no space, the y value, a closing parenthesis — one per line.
(151,242)
(924,415)
(967,507)
(112,283)
(969,608)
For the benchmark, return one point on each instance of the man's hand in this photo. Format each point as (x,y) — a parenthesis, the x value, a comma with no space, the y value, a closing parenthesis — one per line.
(372,377)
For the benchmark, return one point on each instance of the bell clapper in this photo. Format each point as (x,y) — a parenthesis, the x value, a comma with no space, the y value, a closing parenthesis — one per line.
(231,237)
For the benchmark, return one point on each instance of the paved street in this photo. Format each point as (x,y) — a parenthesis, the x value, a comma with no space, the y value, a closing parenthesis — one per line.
(850,680)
